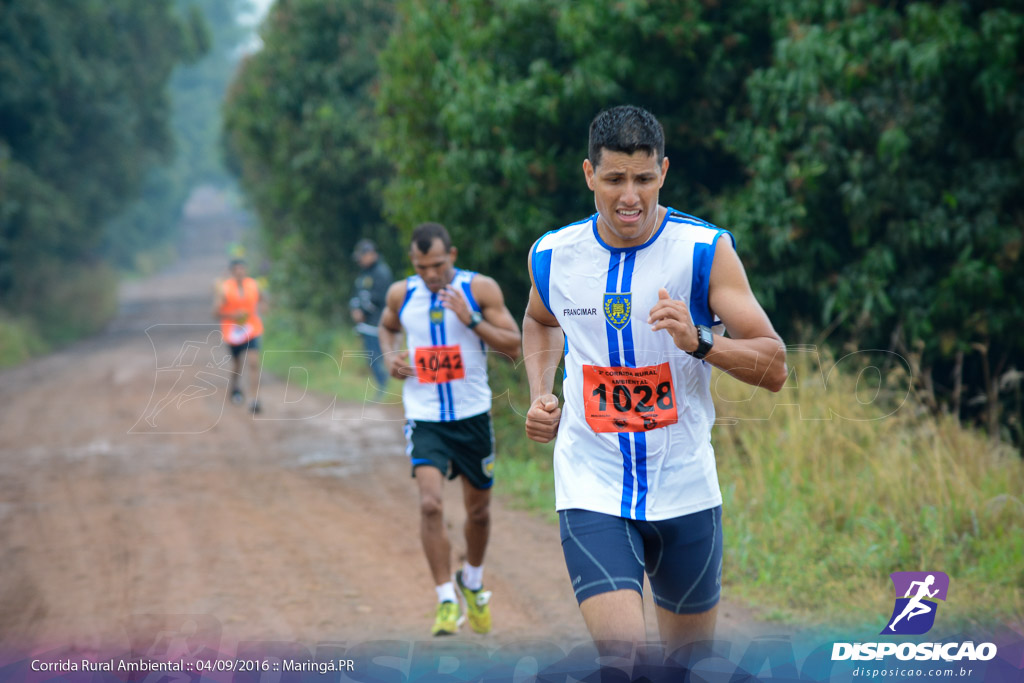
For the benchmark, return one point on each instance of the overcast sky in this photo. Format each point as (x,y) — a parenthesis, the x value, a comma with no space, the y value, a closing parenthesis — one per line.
(253,19)
(261,7)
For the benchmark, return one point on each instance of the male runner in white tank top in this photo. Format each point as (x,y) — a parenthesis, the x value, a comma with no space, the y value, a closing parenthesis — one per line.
(634,296)
(450,318)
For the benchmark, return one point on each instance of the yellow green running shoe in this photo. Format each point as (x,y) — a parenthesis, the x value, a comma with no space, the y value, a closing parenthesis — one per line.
(477,608)
(446,623)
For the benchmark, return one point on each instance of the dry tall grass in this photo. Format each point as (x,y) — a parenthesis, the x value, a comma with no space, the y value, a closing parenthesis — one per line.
(842,478)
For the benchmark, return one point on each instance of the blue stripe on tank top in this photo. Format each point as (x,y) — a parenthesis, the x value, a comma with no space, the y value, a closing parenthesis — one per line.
(639,438)
(640,449)
(703,258)
(435,332)
(542,275)
(433,325)
(447,385)
(627,331)
(450,412)
(442,331)
(614,360)
(451,400)
(410,289)
(611,287)
(565,354)
(467,289)
(627,474)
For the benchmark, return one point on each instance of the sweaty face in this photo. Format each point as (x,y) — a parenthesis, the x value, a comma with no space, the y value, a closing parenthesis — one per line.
(626,190)
(436,266)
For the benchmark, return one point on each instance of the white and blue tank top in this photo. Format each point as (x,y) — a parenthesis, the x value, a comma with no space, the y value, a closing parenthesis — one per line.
(635,434)
(450,359)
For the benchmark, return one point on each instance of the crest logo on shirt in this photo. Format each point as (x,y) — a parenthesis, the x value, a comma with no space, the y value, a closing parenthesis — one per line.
(617,308)
(436,315)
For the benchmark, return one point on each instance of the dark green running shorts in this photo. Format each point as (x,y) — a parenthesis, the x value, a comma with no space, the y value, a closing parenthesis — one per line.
(463,447)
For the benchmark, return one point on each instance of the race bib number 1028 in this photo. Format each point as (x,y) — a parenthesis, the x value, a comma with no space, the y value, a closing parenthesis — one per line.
(629,399)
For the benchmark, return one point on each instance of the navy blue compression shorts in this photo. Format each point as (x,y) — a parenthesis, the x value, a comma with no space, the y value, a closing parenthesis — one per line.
(682,557)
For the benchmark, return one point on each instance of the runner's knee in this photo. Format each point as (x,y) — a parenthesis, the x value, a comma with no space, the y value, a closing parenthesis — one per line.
(431,507)
(479,515)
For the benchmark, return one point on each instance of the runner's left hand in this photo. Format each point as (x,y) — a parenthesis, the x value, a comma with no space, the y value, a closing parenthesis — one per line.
(674,317)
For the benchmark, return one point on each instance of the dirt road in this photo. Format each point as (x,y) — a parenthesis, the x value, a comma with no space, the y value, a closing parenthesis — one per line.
(137,504)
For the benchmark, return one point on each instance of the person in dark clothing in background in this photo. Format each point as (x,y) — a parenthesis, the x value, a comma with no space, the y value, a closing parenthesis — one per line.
(367,304)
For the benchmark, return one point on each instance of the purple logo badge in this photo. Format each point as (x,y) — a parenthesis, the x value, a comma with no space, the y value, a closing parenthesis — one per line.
(917,596)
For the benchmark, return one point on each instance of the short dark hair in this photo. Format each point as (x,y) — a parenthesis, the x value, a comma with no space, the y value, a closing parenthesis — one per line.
(424,234)
(236,262)
(626,129)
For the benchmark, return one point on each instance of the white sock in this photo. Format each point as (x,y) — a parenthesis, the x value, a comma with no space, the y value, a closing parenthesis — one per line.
(472,577)
(446,592)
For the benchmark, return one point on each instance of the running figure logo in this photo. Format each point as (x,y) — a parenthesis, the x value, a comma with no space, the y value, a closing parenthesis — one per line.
(914,613)
(189,391)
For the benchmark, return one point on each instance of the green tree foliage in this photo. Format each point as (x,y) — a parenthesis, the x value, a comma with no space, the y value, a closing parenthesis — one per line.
(868,157)
(301,126)
(867,154)
(885,201)
(197,91)
(83,114)
(485,109)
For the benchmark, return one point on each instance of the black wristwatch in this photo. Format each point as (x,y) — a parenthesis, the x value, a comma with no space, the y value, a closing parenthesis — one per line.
(475,319)
(705,340)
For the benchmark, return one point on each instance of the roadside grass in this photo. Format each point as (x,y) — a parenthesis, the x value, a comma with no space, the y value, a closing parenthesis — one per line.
(62,303)
(76,301)
(300,348)
(524,466)
(829,486)
(19,340)
(842,478)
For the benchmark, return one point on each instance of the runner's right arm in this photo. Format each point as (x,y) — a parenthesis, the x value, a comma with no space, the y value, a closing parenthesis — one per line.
(543,342)
(389,330)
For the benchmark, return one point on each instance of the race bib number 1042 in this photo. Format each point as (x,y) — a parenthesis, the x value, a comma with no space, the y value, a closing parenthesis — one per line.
(629,399)
(438,364)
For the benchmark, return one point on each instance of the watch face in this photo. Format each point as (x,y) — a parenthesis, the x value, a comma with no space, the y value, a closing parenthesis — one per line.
(705,340)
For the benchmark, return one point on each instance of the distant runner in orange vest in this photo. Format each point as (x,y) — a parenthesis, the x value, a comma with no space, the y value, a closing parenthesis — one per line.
(237,303)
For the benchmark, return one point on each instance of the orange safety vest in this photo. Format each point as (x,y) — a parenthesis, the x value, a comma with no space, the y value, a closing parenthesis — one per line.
(242,298)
